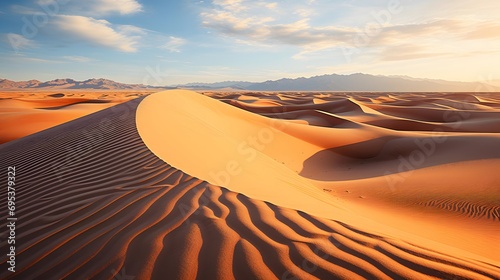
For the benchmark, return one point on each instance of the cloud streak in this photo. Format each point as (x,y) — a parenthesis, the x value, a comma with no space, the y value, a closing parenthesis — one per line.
(76,58)
(19,42)
(174,44)
(93,7)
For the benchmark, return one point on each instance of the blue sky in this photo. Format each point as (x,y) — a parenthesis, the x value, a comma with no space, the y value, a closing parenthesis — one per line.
(174,42)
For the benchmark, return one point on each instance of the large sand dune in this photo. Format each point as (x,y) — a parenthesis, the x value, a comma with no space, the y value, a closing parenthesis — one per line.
(178,185)
(30,111)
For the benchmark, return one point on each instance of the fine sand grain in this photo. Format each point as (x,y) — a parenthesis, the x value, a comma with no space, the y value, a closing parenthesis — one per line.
(224,185)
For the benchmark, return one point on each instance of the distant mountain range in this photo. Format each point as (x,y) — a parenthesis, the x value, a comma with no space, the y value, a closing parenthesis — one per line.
(333,82)
(69,84)
(227,84)
(352,82)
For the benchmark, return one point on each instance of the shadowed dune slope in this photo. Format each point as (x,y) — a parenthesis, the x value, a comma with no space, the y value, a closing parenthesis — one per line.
(95,203)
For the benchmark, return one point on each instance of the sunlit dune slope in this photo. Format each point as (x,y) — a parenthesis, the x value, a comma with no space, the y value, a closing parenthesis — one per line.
(27,112)
(429,169)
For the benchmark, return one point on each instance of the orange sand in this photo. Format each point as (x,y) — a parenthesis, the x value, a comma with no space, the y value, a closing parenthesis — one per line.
(26,112)
(224,185)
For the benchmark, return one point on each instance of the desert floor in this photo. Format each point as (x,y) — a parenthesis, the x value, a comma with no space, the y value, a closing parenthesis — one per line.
(252,185)
(24,112)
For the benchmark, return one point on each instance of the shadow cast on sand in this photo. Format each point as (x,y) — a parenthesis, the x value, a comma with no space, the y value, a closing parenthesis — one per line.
(391,155)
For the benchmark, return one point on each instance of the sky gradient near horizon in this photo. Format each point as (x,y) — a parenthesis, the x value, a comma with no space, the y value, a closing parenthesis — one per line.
(175,42)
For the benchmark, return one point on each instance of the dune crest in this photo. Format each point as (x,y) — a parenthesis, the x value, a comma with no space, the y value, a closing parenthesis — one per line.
(230,144)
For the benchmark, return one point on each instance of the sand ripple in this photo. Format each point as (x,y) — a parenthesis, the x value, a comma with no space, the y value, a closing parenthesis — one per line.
(94,202)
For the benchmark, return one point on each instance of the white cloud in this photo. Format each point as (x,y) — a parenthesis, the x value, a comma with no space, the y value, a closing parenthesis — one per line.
(94,7)
(484,30)
(304,12)
(131,29)
(272,5)
(98,32)
(123,7)
(71,22)
(19,42)
(174,44)
(71,18)
(409,52)
(23,10)
(265,29)
(46,2)
(232,5)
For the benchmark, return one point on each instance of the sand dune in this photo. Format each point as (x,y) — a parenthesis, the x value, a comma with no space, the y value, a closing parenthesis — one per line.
(179,184)
(24,113)
(331,156)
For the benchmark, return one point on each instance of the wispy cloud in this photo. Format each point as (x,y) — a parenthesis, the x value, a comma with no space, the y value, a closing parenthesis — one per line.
(487,30)
(259,22)
(20,57)
(98,32)
(94,7)
(230,5)
(77,58)
(18,42)
(408,52)
(123,7)
(174,44)
(24,10)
